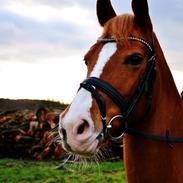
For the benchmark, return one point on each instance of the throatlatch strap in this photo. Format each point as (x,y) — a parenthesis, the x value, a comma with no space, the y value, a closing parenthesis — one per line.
(162,138)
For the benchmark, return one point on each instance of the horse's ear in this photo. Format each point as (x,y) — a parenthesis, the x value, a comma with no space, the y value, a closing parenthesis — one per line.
(105,11)
(141,11)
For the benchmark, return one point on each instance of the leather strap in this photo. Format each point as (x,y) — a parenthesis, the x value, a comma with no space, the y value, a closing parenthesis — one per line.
(165,138)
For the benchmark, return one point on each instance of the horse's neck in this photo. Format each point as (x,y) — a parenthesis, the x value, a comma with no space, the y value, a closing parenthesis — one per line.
(157,159)
(167,105)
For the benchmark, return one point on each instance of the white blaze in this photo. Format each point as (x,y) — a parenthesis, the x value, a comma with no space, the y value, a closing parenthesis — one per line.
(80,107)
(107,51)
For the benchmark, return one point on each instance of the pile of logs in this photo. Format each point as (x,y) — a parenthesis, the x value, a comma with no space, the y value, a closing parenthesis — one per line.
(30,135)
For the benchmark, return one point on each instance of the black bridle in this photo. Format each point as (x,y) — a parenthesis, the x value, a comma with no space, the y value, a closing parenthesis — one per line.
(93,85)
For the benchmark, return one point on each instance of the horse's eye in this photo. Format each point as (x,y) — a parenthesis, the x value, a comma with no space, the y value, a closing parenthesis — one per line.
(134,59)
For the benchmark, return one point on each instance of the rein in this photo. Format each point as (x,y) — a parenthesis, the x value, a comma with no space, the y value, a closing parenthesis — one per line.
(92,84)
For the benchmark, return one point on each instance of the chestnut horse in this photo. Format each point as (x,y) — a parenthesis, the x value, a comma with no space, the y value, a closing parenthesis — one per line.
(129,94)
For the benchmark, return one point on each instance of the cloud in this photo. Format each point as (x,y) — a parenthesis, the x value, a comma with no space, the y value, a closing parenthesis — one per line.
(168,25)
(29,39)
(65,3)
(39,33)
(64,27)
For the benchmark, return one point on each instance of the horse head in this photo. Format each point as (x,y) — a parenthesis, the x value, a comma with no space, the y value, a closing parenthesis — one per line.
(120,77)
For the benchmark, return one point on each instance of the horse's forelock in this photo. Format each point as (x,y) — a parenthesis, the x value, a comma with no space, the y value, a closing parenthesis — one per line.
(119,26)
(123,26)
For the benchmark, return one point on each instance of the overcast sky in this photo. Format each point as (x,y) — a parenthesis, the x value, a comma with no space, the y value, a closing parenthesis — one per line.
(42,43)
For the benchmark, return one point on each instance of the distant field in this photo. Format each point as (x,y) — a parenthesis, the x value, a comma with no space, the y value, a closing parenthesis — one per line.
(24,171)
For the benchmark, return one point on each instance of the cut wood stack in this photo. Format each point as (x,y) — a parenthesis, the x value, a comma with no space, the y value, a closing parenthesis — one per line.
(29,135)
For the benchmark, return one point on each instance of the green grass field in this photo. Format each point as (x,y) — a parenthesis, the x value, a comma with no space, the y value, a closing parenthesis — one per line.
(24,171)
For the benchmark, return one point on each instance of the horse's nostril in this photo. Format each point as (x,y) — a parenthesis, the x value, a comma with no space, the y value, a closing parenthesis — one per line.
(82,127)
(64,133)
